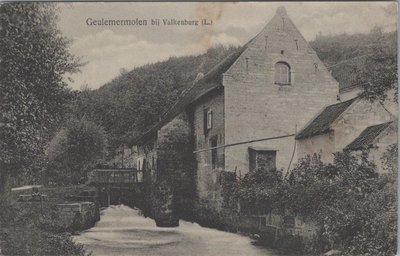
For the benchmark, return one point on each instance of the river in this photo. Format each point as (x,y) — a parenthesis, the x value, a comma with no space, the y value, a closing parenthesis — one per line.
(123,231)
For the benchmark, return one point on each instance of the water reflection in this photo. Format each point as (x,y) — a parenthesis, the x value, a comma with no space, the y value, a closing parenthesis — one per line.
(123,231)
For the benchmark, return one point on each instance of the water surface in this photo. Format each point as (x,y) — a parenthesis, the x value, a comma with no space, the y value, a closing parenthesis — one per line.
(123,231)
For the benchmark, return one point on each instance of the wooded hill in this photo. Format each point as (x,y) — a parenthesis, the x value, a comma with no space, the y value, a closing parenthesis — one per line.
(367,60)
(132,102)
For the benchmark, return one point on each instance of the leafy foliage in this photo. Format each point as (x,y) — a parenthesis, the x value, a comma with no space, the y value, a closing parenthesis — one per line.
(366,60)
(34,59)
(258,191)
(79,146)
(133,102)
(354,207)
(175,166)
(22,234)
(389,159)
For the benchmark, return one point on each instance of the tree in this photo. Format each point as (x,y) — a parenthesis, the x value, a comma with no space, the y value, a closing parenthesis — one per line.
(378,73)
(135,100)
(34,59)
(76,148)
(368,61)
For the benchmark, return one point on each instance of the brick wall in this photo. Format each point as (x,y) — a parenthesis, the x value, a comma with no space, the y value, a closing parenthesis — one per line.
(256,107)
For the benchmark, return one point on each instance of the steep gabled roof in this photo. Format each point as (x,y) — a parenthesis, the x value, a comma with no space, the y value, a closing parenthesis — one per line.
(209,82)
(322,122)
(367,137)
(213,79)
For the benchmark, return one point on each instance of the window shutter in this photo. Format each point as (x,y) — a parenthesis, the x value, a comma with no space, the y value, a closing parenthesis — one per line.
(205,121)
(282,73)
(209,119)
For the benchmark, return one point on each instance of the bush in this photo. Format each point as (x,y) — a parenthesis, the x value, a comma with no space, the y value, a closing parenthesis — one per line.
(21,234)
(354,207)
(34,241)
(209,217)
(347,199)
(77,148)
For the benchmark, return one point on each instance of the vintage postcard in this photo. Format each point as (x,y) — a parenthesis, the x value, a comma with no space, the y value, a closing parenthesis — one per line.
(193,128)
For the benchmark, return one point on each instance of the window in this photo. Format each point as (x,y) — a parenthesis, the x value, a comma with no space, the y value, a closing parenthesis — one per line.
(207,120)
(263,158)
(282,73)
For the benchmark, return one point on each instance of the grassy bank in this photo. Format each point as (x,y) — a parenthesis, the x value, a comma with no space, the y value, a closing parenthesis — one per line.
(32,228)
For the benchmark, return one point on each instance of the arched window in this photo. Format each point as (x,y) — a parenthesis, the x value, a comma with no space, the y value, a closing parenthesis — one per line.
(282,73)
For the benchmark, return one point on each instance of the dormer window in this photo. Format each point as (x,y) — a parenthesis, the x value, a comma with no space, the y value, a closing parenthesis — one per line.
(282,73)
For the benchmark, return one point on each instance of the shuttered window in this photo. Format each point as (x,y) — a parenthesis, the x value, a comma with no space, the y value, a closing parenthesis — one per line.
(208,119)
(282,73)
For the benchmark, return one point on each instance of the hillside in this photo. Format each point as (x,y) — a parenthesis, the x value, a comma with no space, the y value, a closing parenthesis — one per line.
(359,58)
(132,102)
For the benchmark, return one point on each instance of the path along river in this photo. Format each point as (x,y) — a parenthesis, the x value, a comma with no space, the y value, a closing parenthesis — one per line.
(123,231)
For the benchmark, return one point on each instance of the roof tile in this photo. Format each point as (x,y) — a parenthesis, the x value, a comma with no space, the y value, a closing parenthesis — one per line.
(367,137)
(209,82)
(322,122)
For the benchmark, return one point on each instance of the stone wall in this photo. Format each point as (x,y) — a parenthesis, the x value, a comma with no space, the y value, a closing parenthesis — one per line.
(77,216)
(256,107)
(346,128)
(278,226)
(208,187)
(381,145)
(272,229)
(360,115)
(323,145)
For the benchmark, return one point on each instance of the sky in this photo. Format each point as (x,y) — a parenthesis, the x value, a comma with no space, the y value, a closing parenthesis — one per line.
(107,50)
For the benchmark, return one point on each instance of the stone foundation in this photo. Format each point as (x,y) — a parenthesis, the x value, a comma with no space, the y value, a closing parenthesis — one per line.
(273,230)
(77,216)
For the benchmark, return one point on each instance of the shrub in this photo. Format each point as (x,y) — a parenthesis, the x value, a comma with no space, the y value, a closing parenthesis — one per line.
(77,148)
(21,234)
(354,207)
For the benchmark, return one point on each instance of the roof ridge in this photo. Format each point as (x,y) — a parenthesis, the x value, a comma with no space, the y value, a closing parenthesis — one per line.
(205,77)
(208,77)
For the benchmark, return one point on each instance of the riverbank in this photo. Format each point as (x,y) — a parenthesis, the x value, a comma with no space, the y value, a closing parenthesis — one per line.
(124,231)
(36,227)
